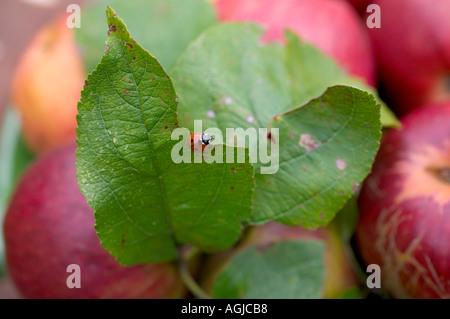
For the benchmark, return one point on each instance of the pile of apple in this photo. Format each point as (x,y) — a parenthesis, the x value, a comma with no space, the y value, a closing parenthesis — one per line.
(404,205)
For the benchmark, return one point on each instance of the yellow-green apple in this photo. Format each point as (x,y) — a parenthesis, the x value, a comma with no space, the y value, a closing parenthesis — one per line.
(49,226)
(333,26)
(413,51)
(404,224)
(46,87)
(339,272)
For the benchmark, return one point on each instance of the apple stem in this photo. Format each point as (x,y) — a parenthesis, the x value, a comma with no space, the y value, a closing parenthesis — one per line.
(187,279)
(442,173)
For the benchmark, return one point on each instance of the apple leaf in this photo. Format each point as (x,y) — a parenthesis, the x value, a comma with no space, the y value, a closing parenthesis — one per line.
(347,219)
(351,293)
(144,203)
(164,27)
(284,270)
(228,79)
(327,148)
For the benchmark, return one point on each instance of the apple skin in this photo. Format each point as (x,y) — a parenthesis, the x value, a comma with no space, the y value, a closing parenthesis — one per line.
(333,26)
(413,52)
(339,273)
(359,5)
(46,87)
(49,226)
(404,205)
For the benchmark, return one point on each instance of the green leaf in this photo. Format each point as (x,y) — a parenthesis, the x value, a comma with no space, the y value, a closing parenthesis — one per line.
(14,158)
(327,146)
(388,118)
(164,27)
(284,270)
(351,293)
(347,219)
(144,203)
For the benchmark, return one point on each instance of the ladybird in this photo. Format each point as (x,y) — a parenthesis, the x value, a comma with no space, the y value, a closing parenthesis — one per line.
(200,140)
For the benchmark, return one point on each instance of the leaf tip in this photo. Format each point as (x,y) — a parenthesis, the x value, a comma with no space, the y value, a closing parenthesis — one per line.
(110,13)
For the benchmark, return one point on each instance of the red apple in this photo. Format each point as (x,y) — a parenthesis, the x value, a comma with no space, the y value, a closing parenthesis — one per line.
(359,5)
(339,273)
(333,26)
(413,51)
(49,226)
(404,207)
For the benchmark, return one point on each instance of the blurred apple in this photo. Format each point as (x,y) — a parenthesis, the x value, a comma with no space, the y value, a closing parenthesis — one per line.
(49,226)
(404,224)
(46,87)
(413,50)
(359,5)
(339,273)
(8,290)
(333,26)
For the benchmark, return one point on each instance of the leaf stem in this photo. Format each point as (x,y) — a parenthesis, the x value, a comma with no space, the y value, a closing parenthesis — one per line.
(183,268)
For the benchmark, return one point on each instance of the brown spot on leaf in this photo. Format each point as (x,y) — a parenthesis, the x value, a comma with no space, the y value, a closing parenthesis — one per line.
(153,79)
(166,127)
(134,58)
(122,244)
(126,91)
(262,248)
(112,28)
(232,188)
(129,45)
(309,143)
(85,83)
(107,48)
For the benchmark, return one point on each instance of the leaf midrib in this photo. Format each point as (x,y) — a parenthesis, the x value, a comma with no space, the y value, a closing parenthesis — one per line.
(152,149)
